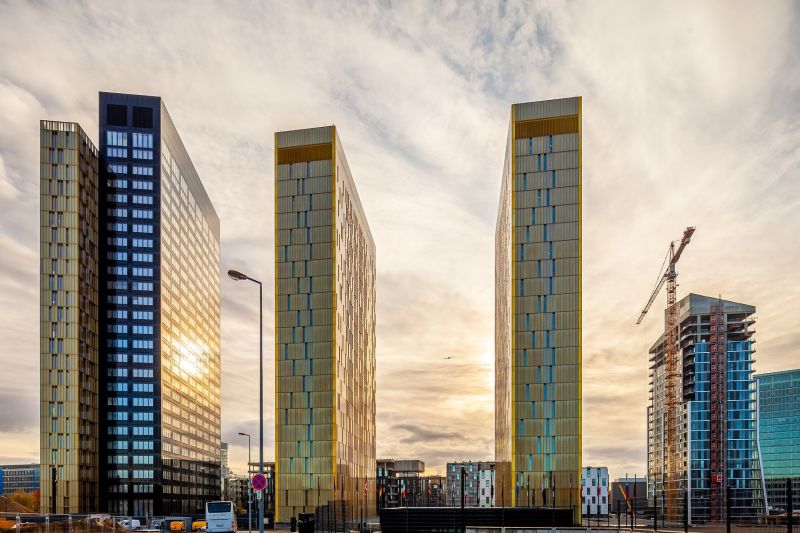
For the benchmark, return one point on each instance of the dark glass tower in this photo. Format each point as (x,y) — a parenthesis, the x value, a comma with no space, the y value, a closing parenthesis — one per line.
(159,317)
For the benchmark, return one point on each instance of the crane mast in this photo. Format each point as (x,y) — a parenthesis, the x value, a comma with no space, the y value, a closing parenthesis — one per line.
(672,374)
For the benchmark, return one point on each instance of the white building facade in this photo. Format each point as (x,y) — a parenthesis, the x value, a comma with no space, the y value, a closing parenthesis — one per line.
(594,490)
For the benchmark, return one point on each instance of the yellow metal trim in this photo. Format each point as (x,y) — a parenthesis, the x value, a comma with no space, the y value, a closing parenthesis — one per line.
(335,272)
(275,251)
(303,153)
(512,428)
(578,508)
(547,126)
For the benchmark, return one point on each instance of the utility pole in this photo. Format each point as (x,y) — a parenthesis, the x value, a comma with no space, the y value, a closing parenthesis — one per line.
(655,511)
(463,496)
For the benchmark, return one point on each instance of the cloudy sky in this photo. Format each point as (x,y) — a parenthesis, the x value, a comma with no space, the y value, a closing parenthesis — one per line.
(690,118)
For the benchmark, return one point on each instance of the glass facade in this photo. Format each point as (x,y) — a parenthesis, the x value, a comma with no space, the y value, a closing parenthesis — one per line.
(325,324)
(730,397)
(159,316)
(779,435)
(14,478)
(69,264)
(538,307)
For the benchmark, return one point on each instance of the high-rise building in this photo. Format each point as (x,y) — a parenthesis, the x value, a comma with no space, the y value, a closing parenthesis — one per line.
(480,483)
(779,435)
(594,490)
(130,355)
(538,307)
(224,471)
(69,271)
(716,429)
(325,324)
(159,316)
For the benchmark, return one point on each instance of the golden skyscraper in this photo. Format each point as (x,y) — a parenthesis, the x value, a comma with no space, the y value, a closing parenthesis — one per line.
(325,331)
(538,308)
(69,423)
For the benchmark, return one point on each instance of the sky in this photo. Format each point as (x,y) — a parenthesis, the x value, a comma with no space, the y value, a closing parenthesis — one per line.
(690,117)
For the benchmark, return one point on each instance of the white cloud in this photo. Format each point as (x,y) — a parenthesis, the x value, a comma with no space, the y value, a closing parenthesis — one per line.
(690,114)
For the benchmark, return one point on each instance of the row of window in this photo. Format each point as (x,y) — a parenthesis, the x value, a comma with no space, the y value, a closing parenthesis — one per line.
(124,445)
(141,373)
(135,285)
(135,329)
(116,138)
(121,299)
(123,184)
(140,272)
(122,153)
(123,198)
(137,474)
(135,459)
(136,228)
(136,213)
(123,415)
(136,358)
(116,386)
(123,241)
(137,431)
(122,313)
(138,416)
(135,343)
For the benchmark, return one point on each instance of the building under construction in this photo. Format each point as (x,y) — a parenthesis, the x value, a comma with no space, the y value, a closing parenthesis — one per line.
(714,455)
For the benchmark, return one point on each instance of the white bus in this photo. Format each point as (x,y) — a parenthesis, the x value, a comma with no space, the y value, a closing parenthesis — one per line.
(220,517)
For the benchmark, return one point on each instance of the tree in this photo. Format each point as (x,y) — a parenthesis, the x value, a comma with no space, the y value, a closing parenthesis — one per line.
(26,499)
(37,501)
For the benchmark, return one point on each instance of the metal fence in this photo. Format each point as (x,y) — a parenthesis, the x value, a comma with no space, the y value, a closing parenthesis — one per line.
(738,510)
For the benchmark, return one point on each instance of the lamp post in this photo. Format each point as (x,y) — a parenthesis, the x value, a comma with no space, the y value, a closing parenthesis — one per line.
(249,486)
(238,276)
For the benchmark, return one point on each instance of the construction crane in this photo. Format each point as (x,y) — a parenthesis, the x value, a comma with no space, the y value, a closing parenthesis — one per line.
(672,374)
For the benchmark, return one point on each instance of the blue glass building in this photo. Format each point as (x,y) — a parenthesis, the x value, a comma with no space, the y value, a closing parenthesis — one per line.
(779,435)
(158,317)
(717,440)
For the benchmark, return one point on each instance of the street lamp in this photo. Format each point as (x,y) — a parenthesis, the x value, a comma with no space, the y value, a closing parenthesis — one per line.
(235,275)
(249,486)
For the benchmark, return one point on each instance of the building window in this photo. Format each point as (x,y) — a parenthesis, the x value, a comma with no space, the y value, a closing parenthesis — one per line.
(142,140)
(142,117)
(116,138)
(141,199)
(116,115)
(142,171)
(142,228)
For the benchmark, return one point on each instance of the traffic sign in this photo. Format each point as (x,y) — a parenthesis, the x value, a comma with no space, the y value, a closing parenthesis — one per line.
(259,482)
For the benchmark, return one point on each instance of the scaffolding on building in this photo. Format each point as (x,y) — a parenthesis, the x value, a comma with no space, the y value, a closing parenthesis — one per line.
(672,374)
